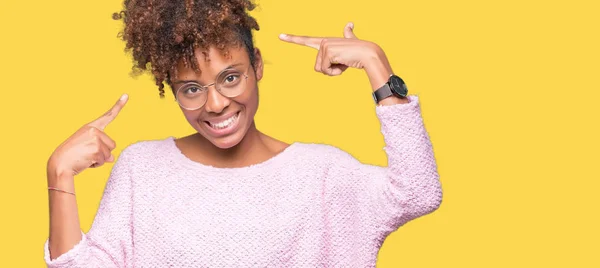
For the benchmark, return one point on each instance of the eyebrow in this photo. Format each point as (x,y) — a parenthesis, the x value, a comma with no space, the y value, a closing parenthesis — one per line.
(189,81)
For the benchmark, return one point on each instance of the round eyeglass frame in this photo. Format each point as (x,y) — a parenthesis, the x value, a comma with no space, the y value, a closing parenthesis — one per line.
(245,74)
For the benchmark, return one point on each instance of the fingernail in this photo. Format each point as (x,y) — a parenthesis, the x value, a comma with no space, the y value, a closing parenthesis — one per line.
(124,97)
(282,35)
(351,25)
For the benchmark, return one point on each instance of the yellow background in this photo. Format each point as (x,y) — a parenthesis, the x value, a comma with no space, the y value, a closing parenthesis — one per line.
(509,93)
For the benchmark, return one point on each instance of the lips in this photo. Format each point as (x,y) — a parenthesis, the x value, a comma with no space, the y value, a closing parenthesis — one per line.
(223,125)
(218,119)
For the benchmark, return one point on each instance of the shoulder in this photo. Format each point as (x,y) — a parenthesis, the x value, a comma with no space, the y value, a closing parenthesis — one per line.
(143,156)
(327,154)
(334,166)
(147,148)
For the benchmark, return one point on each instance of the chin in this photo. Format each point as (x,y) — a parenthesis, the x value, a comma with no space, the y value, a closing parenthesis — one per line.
(226,143)
(227,136)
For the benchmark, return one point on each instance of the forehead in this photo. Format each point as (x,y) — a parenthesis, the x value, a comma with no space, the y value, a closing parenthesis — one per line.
(212,61)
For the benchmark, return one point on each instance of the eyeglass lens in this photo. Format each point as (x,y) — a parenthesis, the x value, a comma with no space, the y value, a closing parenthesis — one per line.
(230,83)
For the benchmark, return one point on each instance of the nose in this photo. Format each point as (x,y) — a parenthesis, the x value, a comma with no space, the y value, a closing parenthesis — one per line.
(215,102)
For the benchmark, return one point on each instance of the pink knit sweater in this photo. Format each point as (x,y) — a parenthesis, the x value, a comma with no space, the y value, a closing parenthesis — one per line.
(312,205)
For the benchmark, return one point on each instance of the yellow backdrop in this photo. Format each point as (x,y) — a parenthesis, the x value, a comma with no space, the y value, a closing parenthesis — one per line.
(509,93)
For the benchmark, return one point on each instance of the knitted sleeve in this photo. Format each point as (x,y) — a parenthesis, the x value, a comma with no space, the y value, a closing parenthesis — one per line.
(109,241)
(409,187)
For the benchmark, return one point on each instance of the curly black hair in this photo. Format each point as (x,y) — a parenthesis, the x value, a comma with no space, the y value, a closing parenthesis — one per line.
(159,33)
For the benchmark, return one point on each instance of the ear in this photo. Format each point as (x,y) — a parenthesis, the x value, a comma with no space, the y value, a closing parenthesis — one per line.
(258,64)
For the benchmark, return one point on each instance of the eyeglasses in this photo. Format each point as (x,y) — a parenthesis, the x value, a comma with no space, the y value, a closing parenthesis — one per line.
(229,83)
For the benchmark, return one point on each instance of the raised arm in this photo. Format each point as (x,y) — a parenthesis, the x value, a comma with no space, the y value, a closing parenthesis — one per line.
(409,187)
(67,245)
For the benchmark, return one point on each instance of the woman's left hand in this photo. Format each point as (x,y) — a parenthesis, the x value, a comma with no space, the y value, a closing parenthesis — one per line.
(337,54)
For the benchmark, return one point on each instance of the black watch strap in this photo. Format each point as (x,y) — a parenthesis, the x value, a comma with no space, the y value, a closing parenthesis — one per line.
(382,93)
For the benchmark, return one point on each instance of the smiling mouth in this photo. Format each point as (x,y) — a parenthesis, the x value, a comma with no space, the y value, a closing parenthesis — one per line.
(225,123)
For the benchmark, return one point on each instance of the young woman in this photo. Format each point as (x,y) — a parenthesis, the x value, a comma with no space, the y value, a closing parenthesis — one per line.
(229,195)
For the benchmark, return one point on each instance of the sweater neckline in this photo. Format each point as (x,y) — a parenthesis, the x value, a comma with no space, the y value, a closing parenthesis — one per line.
(279,159)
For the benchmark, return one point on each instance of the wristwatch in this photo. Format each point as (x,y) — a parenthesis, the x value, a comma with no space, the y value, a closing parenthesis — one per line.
(394,86)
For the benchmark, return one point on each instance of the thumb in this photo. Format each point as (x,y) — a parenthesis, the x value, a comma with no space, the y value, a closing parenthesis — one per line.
(349,31)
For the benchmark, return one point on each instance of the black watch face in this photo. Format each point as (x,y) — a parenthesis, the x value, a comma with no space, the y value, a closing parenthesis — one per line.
(398,86)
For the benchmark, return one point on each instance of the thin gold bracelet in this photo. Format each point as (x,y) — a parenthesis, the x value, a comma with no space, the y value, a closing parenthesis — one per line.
(56,189)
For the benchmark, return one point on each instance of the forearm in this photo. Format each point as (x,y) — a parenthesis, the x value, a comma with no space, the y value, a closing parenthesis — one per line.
(413,188)
(65,230)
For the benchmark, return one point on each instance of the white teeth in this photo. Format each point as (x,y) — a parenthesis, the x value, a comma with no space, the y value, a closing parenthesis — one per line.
(225,123)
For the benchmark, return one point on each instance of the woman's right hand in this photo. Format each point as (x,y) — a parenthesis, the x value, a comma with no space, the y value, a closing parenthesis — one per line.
(87,147)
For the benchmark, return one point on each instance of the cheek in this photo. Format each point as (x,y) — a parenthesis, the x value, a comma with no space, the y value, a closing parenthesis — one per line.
(251,102)
(191,116)
(252,105)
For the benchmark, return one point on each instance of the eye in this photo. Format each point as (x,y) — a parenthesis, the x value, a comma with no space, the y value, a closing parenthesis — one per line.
(231,78)
(192,90)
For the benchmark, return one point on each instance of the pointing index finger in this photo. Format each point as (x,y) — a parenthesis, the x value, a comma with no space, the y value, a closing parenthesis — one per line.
(110,115)
(314,42)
